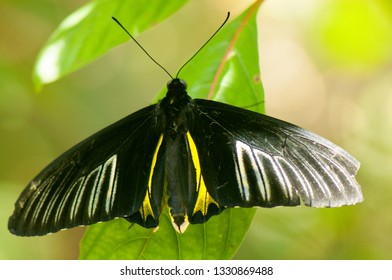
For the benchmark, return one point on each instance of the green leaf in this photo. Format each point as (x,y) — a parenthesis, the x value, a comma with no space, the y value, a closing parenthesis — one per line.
(118,239)
(90,32)
(226,70)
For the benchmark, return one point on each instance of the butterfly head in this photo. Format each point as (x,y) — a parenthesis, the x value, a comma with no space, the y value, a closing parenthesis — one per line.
(176,84)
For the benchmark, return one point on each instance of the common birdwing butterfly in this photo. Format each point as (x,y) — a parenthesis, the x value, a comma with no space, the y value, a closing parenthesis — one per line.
(198,157)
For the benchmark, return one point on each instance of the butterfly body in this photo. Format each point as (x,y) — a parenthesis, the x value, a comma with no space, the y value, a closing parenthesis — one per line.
(197,157)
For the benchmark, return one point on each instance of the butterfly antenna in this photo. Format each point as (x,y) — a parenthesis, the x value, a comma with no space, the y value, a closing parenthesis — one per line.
(220,27)
(156,62)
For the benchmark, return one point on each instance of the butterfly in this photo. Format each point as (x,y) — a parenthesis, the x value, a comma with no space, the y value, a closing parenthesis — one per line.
(197,157)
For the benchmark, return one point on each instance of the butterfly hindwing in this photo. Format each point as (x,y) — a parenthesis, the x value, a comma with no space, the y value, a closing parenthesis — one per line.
(104,177)
(249,159)
(203,206)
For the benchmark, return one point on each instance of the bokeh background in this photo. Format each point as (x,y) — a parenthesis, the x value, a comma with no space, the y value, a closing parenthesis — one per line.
(326,65)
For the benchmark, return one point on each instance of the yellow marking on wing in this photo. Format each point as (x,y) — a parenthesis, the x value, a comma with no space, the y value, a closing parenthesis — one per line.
(154,161)
(204,199)
(146,208)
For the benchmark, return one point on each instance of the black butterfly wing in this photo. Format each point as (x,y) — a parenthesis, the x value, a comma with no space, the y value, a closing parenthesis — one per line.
(104,177)
(249,159)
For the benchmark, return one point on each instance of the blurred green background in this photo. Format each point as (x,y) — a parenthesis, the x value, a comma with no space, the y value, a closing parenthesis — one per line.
(326,65)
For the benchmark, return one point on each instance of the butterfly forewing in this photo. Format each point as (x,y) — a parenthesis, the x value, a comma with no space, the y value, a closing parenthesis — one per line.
(249,159)
(104,177)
